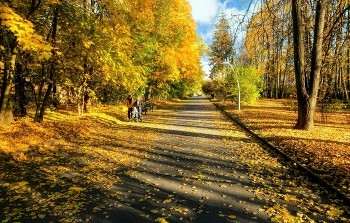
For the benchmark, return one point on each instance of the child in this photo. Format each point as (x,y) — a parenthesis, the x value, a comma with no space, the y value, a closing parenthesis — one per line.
(135,113)
(138,106)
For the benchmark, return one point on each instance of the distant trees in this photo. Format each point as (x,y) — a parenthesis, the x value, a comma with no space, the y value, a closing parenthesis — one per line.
(298,57)
(269,46)
(221,50)
(74,51)
(223,81)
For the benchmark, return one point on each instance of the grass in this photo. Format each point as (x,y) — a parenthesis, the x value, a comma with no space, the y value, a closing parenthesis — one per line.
(325,149)
(61,167)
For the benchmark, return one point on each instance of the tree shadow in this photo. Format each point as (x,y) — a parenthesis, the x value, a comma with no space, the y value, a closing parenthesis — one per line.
(183,176)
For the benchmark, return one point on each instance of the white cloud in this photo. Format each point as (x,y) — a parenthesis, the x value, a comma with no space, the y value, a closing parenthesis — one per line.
(204,10)
(206,13)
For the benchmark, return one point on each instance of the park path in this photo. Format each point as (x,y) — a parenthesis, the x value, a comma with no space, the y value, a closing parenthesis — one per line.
(184,163)
(204,169)
(192,172)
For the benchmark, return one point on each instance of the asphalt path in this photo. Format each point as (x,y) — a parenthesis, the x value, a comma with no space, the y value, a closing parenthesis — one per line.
(204,169)
(194,166)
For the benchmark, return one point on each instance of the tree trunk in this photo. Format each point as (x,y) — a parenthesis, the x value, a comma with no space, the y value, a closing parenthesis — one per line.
(55,100)
(39,117)
(307,97)
(6,116)
(20,91)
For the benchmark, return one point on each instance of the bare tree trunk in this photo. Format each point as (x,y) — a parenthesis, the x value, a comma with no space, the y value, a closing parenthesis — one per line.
(20,90)
(40,117)
(6,116)
(307,97)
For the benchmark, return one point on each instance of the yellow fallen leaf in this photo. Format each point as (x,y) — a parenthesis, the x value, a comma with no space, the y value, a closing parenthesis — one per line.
(144,215)
(42,216)
(166,201)
(232,216)
(161,220)
(76,189)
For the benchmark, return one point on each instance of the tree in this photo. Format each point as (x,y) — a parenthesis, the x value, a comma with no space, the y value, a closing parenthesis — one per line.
(307,84)
(221,49)
(61,51)
(249,80)
(18,35)
(269,47)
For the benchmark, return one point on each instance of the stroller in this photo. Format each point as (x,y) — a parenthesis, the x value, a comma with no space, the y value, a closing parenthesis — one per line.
(135,114)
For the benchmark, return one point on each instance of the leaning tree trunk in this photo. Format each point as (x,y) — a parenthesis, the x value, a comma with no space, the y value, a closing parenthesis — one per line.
(6,116)
(307,95)
(39,117)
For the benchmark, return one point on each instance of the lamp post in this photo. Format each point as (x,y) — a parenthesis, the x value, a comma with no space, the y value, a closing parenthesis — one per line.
(238,86)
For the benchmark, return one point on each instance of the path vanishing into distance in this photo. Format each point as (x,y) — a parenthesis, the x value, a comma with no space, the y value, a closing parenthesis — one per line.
(205,169)
(185,162)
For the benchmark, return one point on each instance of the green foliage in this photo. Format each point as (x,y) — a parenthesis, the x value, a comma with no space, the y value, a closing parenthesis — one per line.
(216,86)
(249,80)
(221,49)
(183,88)
(227,88)
(208,87)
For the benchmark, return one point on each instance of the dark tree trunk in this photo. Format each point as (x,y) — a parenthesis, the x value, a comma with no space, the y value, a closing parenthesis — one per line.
(39,117)
(55,101)
(20,90)
(307,96)
(6,116)
(86,101)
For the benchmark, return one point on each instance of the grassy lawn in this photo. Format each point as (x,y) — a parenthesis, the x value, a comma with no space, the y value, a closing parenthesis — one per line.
(326,149)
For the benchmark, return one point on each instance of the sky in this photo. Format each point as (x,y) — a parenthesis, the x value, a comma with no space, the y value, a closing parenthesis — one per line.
(206,13)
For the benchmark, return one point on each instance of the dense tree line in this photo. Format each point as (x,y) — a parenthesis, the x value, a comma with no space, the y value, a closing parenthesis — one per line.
(301,49)
(231,77)
(270,46)
(60,51)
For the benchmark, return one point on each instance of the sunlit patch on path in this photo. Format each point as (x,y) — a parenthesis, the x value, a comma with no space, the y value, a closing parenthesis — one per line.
(203,169)
(182,163)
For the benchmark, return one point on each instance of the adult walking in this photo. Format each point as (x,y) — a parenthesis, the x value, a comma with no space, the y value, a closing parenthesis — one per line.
(129,104)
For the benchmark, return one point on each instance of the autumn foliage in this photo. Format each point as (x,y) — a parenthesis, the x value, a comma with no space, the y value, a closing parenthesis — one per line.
(58,51)
(269,46)
(325,149)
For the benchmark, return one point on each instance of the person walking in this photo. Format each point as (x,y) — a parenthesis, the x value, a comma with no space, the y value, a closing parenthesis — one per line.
(138,105)
(129,104)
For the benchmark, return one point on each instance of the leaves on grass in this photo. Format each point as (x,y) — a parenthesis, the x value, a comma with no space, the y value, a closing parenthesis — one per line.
(82,174)
(67,159)
(325,149)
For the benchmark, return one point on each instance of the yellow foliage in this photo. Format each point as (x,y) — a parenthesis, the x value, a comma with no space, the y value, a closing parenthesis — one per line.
(87,44)
(25,33)
(53,2)
(334,212)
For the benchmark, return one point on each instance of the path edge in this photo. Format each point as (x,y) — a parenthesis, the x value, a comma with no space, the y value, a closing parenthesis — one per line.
(311,174)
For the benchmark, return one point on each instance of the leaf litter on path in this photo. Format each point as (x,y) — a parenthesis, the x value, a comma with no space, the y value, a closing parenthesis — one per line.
(208,171)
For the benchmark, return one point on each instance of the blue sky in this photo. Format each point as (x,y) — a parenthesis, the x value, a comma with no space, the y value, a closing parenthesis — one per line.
(206,12)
